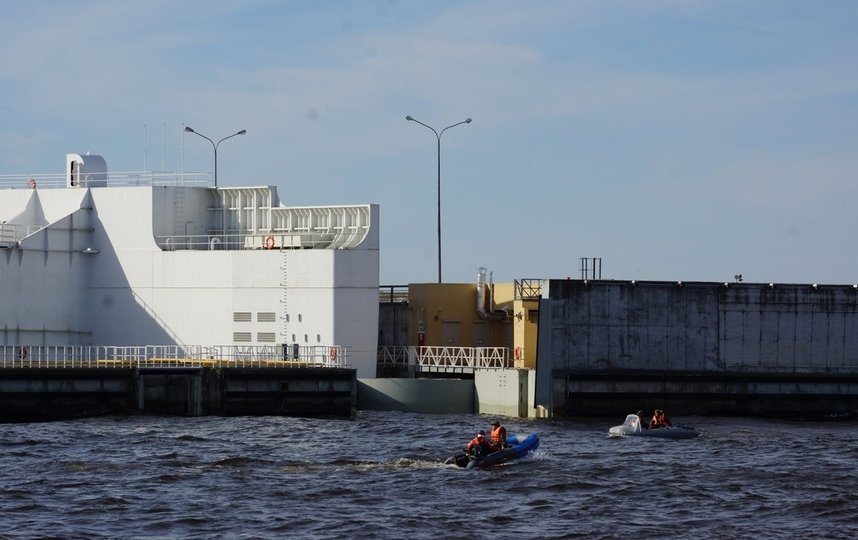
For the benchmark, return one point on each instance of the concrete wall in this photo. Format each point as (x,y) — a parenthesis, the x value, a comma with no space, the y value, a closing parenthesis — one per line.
(678,329)
(507,392)
(504,392)
(453,396)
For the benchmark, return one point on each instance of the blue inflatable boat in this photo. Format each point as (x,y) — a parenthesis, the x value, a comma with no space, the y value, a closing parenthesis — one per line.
(517,446)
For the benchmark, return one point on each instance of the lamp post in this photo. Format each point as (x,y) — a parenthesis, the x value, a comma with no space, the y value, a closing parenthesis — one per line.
(189,129)
(438,137)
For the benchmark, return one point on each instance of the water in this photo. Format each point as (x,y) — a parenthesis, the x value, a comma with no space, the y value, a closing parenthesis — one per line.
(382,476)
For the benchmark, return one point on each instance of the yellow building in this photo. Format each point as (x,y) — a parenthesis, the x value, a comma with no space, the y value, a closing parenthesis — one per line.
(525,302)
(476,315)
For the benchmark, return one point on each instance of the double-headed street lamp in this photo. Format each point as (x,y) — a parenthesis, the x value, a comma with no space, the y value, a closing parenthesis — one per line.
(438,136)
(189,129)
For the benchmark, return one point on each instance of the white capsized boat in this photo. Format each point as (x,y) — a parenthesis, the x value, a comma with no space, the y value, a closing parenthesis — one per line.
(632,427)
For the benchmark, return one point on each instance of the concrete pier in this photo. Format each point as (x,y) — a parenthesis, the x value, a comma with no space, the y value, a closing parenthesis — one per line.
(35,394)
(52,393)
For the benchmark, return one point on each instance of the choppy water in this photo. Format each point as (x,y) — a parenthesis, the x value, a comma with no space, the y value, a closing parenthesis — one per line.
(382,476)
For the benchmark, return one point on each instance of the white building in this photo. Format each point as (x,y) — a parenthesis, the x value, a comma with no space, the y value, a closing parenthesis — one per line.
(91,258)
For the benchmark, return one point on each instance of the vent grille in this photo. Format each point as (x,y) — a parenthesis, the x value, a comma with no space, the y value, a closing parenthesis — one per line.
(266,316)
(241,316)
(241,337)
(265,337)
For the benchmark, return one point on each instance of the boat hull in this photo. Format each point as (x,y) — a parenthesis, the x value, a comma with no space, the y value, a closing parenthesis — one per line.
(518,446)
(677,432)
(633,427)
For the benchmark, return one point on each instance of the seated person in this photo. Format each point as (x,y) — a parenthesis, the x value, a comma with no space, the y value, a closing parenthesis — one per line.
(479,445)
(498,435)
(659,420)
(643,423)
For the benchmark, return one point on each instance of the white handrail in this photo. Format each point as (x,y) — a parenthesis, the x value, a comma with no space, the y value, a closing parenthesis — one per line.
(434,358)
(134,178)
(93,356)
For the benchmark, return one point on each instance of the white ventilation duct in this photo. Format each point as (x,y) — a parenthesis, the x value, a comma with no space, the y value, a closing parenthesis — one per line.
(85,170)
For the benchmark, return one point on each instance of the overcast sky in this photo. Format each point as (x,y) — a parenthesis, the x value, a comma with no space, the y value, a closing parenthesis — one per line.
(676,140)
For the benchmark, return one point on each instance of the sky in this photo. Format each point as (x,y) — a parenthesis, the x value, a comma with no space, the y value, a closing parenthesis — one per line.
(674,140)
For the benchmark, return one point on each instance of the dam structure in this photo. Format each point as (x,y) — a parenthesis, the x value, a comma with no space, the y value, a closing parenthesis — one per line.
(98,260)
(610,347)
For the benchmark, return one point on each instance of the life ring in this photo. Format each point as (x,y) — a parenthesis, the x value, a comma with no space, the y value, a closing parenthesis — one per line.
(269,242)
(31,183)
(333,353)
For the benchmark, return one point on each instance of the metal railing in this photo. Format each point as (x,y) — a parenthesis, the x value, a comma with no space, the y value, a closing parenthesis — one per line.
(439,358)
(241,241)
(104,356)
(142,178)
(392,294)
(528,289)
(11,233)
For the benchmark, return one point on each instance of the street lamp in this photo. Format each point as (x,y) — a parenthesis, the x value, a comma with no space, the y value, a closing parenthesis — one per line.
(189,129)
(438,136)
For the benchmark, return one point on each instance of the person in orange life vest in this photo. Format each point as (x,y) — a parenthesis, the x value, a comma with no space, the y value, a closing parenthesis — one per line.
(498,435)
(479,445)
(659,420)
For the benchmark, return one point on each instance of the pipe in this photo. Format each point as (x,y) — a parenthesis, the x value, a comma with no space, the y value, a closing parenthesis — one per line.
(481,300)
